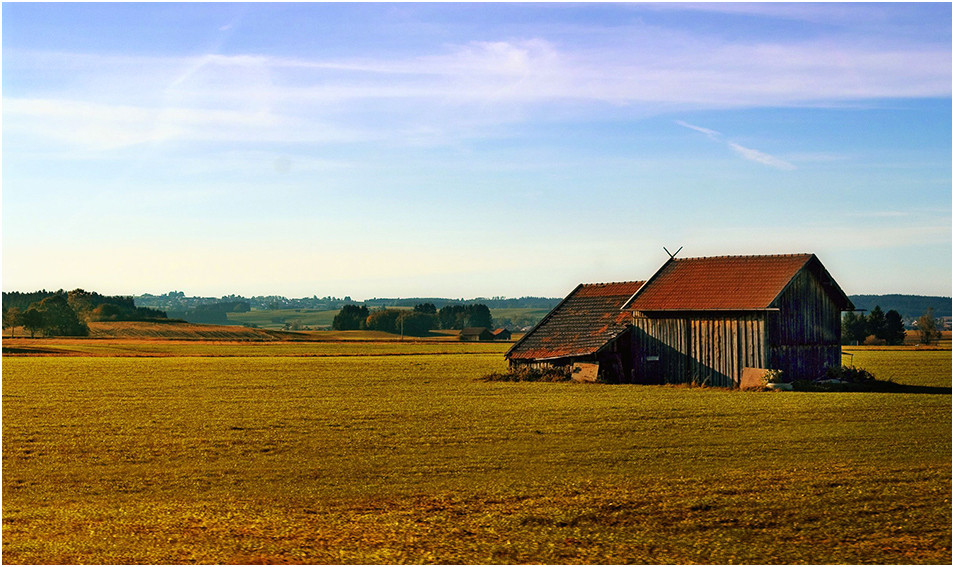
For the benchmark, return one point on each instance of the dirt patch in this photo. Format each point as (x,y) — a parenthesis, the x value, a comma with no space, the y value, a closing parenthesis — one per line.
(28,351)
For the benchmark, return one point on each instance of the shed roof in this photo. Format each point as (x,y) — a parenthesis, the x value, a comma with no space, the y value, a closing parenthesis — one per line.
(728,283)
(585,321)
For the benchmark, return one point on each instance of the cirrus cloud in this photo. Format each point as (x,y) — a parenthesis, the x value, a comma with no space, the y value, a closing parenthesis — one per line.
(747,153)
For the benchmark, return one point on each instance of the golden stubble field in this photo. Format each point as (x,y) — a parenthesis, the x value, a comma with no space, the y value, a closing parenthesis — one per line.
(383,452)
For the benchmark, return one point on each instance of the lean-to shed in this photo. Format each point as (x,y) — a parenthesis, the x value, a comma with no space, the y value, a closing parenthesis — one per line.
(588,326)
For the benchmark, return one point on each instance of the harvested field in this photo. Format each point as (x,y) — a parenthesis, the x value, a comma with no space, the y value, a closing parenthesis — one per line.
(227,348)
(182,331)
(407,457)
(185,331)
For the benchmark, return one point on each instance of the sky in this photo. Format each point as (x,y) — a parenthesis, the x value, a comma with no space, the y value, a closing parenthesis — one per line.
(469,150)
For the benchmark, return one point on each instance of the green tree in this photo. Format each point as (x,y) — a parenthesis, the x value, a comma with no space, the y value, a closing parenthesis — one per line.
(893,328)
(32,320)
(428,308)
(106,312)
(416,323)
(11,318)
(59,318)
(401,321)
(927,327)
(461,316)
(854,328)
(81,302)
(385,320)
(451,317)
(350,318)
(876,322)
(479,316)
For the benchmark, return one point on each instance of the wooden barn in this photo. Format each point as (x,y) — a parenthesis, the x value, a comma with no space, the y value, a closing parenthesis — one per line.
(476,334)
(502,334)
(704,320)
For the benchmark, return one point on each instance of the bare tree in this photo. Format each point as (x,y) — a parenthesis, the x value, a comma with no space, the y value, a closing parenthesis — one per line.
(927,327)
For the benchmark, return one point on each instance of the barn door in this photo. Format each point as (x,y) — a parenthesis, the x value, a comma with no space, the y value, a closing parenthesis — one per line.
(647,364)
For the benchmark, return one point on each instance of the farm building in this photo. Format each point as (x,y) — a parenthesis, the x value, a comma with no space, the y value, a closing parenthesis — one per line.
(701,321)
(502,335)
(585,328)
(476,334)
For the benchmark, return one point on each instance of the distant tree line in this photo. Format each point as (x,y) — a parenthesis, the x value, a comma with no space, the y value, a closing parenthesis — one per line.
(416,322)
(177,302)
(350,318)
(63,313)
(492,303)
(909,306)
(876,327)
(463,316)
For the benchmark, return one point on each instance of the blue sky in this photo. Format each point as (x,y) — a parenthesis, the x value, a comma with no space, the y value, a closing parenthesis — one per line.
(464,150)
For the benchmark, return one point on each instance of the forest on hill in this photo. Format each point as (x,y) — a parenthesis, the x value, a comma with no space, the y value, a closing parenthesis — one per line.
(69,313)
(909,306)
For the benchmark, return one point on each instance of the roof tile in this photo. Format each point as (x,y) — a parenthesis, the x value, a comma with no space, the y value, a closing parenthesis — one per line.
(719,282)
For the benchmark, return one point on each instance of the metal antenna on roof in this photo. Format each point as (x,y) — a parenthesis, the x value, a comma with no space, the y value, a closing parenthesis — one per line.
(672,255)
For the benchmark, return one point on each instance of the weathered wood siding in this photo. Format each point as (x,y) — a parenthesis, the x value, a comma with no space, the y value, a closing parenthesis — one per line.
(804,335)
(723,346)
(660,350)
(698,348)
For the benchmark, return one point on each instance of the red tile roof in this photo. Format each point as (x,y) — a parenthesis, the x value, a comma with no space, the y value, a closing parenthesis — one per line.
(584,322)
(721,283)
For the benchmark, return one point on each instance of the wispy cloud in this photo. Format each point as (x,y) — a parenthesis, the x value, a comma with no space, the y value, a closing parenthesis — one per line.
(747,153)
(761,157)
(885,17)
(95,126)
(637,69)
(712,134)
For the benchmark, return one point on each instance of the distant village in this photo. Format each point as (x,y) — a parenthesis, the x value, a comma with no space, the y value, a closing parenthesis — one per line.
(178,301)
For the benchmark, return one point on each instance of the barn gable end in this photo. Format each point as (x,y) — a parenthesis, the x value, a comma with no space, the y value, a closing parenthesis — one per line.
(804,323)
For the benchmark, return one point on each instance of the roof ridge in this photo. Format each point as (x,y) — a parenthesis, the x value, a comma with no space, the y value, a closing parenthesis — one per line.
(614,283)
(787,255)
